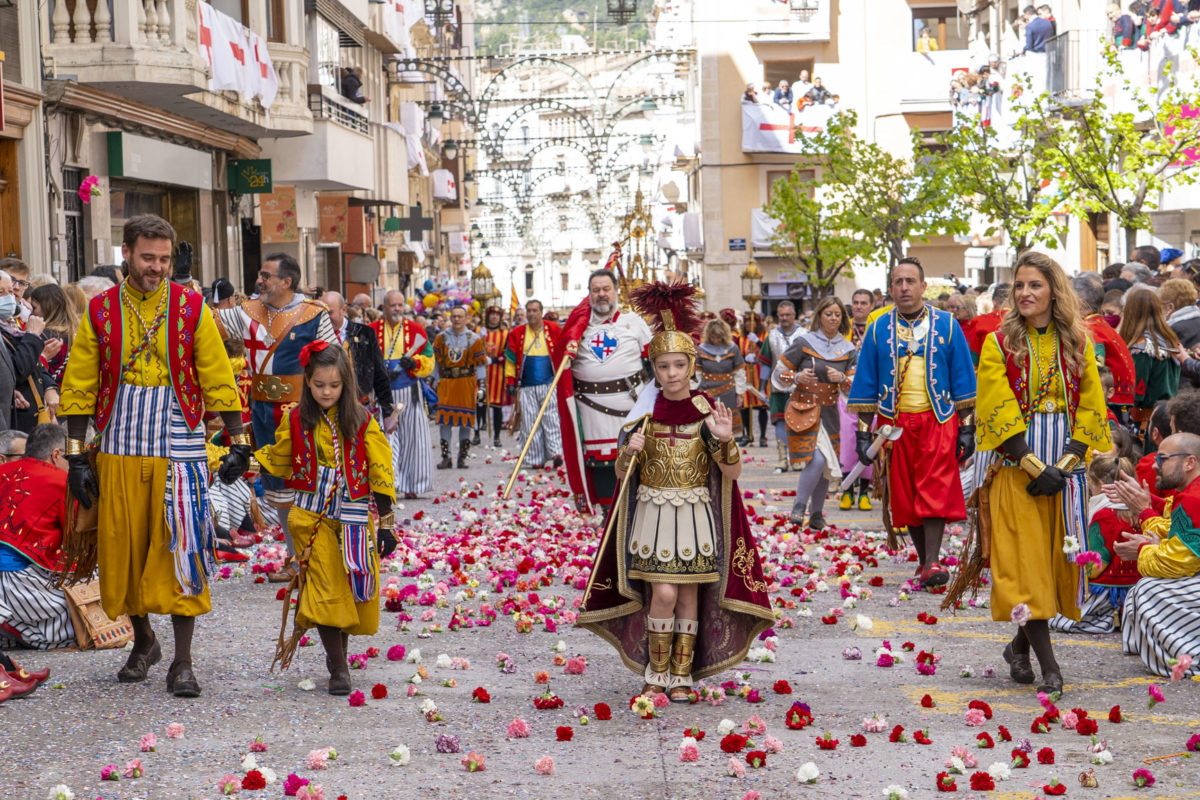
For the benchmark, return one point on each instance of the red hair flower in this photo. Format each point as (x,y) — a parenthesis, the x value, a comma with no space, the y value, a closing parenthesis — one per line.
(310,348)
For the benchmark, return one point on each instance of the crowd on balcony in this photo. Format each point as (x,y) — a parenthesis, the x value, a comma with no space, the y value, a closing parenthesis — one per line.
(794,97)
(1143,21)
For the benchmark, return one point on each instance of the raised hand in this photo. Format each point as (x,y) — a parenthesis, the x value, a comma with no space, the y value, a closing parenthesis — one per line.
(720,422)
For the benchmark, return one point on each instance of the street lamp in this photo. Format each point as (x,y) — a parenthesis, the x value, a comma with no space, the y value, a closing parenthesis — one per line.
(622,11)
(649,107)
(450,149)
(440,10)
(647,142)
(482,284)
(752,284)
(435,114)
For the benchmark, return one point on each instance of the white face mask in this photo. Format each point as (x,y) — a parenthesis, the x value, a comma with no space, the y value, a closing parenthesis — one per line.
(8,306)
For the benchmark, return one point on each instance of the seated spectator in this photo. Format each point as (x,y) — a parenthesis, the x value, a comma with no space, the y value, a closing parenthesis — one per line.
(12,445)
(751,94)
(1162,611)
(801,85)
(1108,582)
(32,514)
(926,44)
(1178,298)
(351,84)
(818,93)
(782,96)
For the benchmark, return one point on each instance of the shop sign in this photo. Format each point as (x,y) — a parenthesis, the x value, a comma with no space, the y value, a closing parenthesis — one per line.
(250,176)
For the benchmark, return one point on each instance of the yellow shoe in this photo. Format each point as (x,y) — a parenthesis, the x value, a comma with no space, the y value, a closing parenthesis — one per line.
(846,502)
(864,503)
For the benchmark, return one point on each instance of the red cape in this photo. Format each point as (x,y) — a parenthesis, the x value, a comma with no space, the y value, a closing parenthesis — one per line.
(1116,358)
(577,476)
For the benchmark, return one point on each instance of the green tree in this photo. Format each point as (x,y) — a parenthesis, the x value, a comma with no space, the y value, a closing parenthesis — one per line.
(893,199)
(1120,157)
(1003,181)
(816,232)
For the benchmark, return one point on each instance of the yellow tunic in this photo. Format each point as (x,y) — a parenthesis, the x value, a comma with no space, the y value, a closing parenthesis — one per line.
(914,393)
(137,568)
(327,598)
(1028,564)
(395,344)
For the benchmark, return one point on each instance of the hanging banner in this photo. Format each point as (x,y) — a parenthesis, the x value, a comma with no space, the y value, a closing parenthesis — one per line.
(237,57)
(332,210)
(277,212)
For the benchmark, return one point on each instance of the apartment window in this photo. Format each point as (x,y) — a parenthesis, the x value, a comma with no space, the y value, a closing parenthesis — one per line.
(790,71)
(276,22)
(566,279)
(945,26)
(776,175)
(326,50)
(238,9)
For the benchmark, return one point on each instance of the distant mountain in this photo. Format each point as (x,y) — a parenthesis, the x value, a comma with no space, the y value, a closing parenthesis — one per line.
(509,26)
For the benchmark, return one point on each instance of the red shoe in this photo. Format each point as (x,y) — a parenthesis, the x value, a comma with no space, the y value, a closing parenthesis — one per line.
(934,575)
(231,555)
(5,692)
(23,674)
(19,688)
(241,539)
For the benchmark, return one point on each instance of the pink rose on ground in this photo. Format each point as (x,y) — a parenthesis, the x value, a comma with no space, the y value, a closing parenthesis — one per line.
(736,768)
(975,717)
(755,726)
(1180,667)
(661,700)
(175,730)
(575,666)
(149,743)
(395,652)
(689,753)
(312,791)
(229,784)
(772,745)
(518,729)
(357,698)
(133,768)
(1156,695)
(293,784)
(318,759)
(752,795)
(544,765)
(110,773)
(1069,720)
(473,762)
(258,745)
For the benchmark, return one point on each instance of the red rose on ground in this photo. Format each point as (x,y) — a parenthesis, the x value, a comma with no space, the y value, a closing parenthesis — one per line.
(563,733)
(602,711)
(1020,759)
(982,782)
(782,687)
(1055,788)
(480,695)
(908,647)
(922,616)
(1114,714)
(921,737)
(282,593)
(927,702)
(695,733)
(756,758)
(733,743)
(877,580)
(982,706)
(1052,714)
(254,781)
(945,783)
(897,734)
(858,740)
(1005,736)
(985,740)
(827,742)
(1079,713)
(796,718)
(1040,725)
(1086,727)
(379,691)
(1045,756)
(931,619)
(829,620)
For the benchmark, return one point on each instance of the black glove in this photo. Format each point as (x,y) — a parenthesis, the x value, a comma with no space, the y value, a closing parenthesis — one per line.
(862,443)
(408,362)
(1051,481)
(82,480)
(966,442)
(234,464)
(386,541)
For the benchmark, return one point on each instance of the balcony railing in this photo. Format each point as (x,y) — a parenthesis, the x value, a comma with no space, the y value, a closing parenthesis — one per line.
(323,107)
(1073,60)
(804,20)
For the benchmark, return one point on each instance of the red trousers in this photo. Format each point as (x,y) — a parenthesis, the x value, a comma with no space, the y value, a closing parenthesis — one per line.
(923,477)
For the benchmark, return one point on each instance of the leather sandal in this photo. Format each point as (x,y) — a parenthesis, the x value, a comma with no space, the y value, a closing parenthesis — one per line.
(1019,668)
(1052,684)
(181,681)
(651,689)
(679,694)
(139,664)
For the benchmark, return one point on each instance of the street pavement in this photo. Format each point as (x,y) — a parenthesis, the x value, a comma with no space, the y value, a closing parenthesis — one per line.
(82,720)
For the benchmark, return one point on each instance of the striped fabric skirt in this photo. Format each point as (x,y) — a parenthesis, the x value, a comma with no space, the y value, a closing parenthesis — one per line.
(412,446)
(1097,616)
(35,610)
(547,440)
(1162,622)
(230,502)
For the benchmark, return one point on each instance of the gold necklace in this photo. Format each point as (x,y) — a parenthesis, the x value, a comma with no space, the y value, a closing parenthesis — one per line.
(135,307)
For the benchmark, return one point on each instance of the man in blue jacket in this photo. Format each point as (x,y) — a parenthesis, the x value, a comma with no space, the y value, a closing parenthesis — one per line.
(1038,31)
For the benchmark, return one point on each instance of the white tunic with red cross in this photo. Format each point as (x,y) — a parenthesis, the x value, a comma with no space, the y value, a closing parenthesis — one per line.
(610,349)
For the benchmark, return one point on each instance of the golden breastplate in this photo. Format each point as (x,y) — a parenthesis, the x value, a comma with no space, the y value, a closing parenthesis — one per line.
(675,456)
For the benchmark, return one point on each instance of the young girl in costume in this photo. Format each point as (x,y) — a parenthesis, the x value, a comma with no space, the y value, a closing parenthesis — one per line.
(335,457)
(676,542)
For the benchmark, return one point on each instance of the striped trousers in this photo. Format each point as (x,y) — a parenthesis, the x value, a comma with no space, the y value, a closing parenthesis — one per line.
(34,610)
(547,441)
(1162,622)
(412,448)
(230,502)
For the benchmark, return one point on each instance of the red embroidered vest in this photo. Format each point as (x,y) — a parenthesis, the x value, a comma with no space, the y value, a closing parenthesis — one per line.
(31,510)
(355,467)
(183,316)
(1018,379)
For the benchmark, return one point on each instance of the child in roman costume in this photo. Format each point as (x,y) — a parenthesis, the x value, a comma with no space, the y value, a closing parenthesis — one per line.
(676,586)
(335,456)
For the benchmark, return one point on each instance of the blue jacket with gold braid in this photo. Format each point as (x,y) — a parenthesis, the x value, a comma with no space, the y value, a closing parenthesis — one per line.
(949,371)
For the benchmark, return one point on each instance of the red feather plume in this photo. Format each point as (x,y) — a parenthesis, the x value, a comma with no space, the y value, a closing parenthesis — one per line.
(651,299)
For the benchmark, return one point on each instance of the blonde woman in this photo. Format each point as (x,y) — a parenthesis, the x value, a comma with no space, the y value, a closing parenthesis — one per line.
(719,367)
(1042,408)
